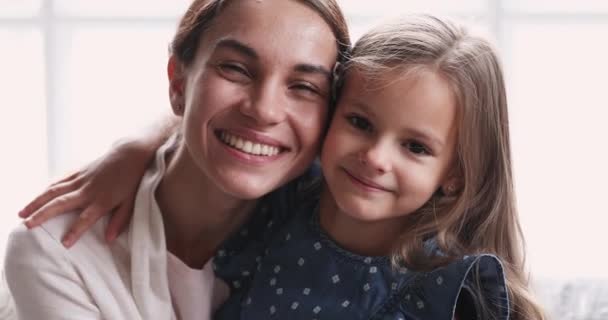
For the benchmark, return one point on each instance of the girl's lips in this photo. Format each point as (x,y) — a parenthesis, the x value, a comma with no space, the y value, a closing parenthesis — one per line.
(366,183)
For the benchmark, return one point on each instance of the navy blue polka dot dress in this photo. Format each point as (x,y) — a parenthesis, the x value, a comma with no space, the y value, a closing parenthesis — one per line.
(284,266)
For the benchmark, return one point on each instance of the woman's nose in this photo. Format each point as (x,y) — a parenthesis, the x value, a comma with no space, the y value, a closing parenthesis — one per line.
(267,106)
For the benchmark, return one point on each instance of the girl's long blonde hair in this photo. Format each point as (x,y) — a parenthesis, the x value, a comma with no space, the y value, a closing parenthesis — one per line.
(481,216)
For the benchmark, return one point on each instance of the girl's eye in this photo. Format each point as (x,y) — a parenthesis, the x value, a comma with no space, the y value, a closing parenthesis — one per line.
(416,148)
(359,122)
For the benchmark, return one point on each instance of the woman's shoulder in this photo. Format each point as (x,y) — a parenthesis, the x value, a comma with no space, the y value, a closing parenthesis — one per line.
(67,281)
(473,287)
(44,241)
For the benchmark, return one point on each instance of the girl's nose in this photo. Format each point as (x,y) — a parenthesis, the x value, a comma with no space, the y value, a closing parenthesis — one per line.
(377,157)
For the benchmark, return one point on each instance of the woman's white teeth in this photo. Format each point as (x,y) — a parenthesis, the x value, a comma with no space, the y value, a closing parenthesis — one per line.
(250,147)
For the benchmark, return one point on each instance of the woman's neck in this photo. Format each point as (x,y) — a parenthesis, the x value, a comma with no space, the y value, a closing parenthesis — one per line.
(197,215)
(369,238)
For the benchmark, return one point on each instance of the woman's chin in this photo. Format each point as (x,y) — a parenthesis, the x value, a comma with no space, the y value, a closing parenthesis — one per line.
(247,188)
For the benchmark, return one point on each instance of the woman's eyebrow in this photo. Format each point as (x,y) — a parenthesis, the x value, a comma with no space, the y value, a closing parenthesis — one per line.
(313,68)
(237,46)
(233,44)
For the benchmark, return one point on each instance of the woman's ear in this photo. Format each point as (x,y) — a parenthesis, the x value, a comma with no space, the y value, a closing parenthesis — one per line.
(176,74)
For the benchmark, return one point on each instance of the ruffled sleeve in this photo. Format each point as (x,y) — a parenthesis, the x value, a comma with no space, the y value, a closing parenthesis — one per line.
(478,281)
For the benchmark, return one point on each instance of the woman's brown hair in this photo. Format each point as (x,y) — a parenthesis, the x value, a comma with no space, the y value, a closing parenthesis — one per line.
(201,14)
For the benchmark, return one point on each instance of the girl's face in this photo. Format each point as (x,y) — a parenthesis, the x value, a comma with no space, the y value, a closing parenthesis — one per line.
(390,145)
(256,96)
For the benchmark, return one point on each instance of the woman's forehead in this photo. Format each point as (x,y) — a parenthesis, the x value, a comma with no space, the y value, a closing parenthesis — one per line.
(274,30)
(295,16)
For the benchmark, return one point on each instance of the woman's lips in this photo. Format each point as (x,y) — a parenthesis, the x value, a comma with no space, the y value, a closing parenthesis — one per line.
(250,148)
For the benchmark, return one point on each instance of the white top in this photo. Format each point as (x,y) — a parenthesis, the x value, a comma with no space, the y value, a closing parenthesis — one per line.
(190,287)
(127,280)
(7,309)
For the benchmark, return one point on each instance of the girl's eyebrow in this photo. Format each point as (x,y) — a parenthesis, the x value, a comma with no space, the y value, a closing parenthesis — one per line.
(362,106)
(415,132)
(425,135)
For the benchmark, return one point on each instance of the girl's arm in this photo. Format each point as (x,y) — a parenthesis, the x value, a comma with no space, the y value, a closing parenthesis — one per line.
(108,185)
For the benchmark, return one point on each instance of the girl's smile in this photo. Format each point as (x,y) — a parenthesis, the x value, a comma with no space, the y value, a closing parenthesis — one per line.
(365,183)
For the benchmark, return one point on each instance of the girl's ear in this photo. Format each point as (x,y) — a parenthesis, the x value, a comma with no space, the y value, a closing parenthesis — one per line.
(449,188)
(453,183)
(176,73)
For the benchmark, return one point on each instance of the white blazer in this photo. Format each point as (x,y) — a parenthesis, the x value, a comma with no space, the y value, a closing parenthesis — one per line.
(127,280)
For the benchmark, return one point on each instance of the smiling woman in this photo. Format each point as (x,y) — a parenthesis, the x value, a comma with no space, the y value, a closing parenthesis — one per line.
(263,95)
(230,83)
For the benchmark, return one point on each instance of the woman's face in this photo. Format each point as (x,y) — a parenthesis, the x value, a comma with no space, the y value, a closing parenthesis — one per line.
(256,97)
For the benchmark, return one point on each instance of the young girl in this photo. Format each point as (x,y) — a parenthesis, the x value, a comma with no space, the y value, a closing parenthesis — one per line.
(415,216)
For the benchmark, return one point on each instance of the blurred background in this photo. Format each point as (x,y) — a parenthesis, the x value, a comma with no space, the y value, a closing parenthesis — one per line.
(76,75)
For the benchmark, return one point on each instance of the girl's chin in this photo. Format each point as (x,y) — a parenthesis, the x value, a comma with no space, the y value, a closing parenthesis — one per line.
(365,212)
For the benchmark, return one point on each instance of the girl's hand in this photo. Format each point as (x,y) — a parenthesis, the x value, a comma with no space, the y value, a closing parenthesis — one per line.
(108,185)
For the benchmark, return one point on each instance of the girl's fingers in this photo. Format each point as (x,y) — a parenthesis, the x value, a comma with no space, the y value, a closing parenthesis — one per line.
(85,221)
(57,205)
(119,221)
(69,177)
(54,191)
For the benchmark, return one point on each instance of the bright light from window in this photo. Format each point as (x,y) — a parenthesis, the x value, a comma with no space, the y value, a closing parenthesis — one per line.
(23,169)
(558,111)
(113,82)
(18,8)
(557,6)
(122,8)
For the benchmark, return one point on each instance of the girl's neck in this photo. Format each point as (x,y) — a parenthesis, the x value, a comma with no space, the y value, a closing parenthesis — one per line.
(368,238)
(197,215)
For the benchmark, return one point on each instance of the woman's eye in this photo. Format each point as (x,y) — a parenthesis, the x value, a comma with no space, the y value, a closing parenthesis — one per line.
(306,88)
(416,148)
(232,71)
(359,123)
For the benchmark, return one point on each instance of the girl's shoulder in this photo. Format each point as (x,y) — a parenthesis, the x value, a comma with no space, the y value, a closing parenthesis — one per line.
(473,287)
